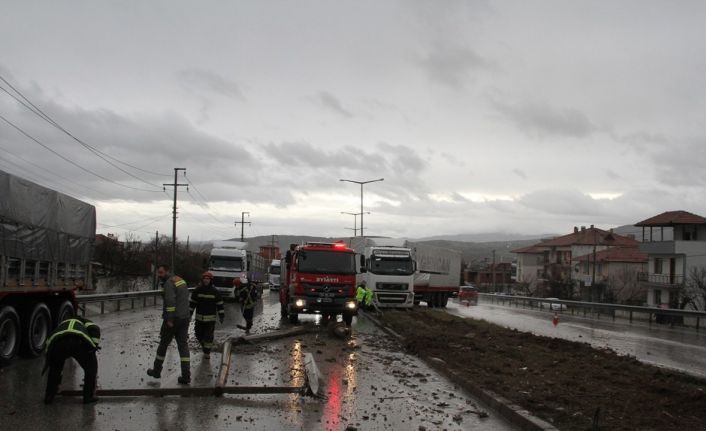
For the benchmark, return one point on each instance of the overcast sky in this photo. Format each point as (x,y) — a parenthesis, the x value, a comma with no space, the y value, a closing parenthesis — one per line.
(511,116)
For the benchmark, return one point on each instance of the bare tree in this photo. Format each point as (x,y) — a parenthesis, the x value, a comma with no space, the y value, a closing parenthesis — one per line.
(694,291)
(624,287)
(527,285)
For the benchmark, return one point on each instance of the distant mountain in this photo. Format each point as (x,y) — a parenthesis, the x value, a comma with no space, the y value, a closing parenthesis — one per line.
(487,237)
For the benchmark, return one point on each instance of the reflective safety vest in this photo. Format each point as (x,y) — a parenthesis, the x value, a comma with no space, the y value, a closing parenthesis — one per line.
(74,328)
(368,297)
(360,293)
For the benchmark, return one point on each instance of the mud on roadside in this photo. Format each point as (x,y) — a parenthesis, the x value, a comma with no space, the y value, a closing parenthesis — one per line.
(566,383)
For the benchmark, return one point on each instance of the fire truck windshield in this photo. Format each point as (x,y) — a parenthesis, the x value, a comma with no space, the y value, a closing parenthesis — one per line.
(223,263)
(326,262)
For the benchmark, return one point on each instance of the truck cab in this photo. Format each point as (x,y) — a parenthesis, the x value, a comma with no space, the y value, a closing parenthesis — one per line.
(273,275)
(228,263)
(319,278)
(390,275)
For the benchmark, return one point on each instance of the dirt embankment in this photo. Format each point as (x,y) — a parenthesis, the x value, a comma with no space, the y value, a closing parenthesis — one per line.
(561,381)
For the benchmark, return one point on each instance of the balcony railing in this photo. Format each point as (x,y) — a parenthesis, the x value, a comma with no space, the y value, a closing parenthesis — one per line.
(662,279)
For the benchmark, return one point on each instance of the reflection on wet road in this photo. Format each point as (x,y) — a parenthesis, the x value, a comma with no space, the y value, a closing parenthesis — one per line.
(678,348)
(367,383)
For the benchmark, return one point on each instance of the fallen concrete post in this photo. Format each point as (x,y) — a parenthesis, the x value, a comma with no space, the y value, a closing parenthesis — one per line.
(225,367)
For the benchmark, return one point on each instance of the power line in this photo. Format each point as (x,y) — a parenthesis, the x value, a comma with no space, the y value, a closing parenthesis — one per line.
(29,162)
(136,221)
(104,156)
(13,125)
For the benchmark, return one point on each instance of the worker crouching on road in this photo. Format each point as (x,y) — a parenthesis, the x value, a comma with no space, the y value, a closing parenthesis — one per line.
(247,295)
(73,338)
(175,324)
(208,303)
(363,295)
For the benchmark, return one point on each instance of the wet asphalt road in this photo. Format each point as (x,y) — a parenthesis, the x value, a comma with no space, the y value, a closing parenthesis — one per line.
(683,349)
(368,384)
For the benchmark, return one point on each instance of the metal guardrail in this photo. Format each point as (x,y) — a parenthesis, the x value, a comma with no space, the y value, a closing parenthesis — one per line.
(102,298)
(564,306)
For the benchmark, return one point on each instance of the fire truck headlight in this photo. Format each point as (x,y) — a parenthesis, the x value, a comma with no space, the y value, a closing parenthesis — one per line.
(351,305)
(299,302)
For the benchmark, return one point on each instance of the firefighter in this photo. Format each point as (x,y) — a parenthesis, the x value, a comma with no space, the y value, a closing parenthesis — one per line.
(360,293)
(208,303)
(175,324)
(247,294)
(73,338)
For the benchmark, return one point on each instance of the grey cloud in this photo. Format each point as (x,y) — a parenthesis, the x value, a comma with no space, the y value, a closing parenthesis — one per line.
(152,142)
(543,120)
(520,173)
(451,66)
(680,162)
(208,81)
(400,165)
(331,102)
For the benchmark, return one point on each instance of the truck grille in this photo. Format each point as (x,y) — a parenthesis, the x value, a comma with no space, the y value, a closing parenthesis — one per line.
(330,288)
(391,298)
(392,286)
(222,281)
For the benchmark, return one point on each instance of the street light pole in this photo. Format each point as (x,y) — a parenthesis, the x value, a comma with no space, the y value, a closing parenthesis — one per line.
(362,183)
(355,221)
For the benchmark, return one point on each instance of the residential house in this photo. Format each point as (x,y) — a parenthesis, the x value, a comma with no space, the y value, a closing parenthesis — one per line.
(530,267)
(556,260)
(672,262)
(617,270)
(498,275)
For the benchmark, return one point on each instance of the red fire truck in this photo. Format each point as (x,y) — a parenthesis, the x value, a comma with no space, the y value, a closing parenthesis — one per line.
(319,278)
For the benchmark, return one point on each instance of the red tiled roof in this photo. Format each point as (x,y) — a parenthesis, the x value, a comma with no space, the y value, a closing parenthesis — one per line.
(617,254)
(529,250)
(672,218)
(590,236)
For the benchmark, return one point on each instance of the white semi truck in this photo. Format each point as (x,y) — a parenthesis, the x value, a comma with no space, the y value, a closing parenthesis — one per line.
(227,263)
(390,270)
(273,275)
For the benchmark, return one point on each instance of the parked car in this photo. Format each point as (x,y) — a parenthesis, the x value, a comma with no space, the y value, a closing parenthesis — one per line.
(468,294)
(553,305)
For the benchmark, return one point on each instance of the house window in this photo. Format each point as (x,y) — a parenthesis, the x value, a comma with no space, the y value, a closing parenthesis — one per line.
(658,266)
(658,297)
(585,267)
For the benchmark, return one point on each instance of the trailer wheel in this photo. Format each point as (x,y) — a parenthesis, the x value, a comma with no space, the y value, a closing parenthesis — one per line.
(64,311)
(36,330)
(293,318)
(431,300)
(444,300)
(9,335)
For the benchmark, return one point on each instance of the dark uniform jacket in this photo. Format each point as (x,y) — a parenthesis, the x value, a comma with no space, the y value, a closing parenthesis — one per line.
(247,294)
(176,298)
(82,329)
(207,302)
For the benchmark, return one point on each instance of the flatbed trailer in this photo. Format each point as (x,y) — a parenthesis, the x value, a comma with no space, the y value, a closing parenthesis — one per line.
(46,243)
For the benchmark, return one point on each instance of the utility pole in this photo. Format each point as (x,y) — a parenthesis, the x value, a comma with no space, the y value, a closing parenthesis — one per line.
(493,271)
(176,186)
(242,224)
(156,260)
(362,183)
(593,277)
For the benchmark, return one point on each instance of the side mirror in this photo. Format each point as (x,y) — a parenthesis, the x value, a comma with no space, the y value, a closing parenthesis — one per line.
(414,265)
(288,257)
(363,270)
(362,260)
